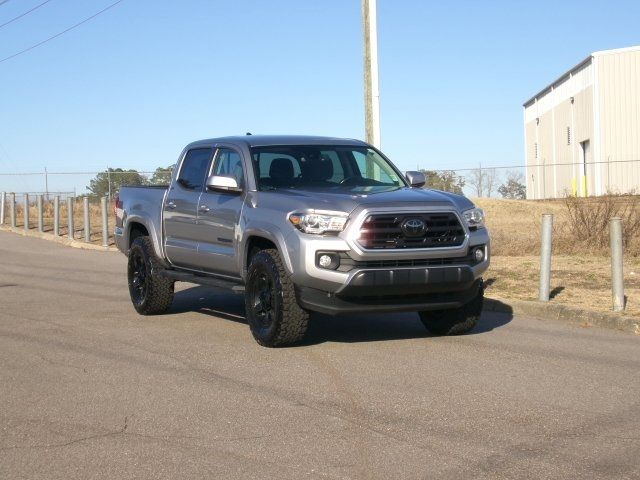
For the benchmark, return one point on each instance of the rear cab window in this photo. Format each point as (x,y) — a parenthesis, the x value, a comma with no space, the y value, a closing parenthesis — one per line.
(194,168)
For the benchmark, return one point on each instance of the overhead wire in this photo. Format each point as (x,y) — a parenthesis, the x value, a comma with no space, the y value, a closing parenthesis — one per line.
(60,33)
(25,13)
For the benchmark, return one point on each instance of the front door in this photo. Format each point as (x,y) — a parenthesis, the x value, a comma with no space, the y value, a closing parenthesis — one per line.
(219,217)
(181,208)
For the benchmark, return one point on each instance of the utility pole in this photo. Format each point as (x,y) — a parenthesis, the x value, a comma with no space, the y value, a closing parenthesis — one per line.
(371,86)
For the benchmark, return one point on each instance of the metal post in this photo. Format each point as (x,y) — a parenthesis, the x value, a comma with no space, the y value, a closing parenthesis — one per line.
(545,257)
(105,222)
(87,226)
(617,277)
(56,215)
(3,200)
(371,86)
(12,209)
(70,226)
(40,215)
(25,212)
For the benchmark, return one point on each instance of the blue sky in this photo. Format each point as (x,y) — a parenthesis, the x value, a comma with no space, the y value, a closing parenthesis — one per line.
(134,85)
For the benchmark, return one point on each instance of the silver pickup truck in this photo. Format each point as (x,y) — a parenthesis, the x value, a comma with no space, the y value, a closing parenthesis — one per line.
(304,224)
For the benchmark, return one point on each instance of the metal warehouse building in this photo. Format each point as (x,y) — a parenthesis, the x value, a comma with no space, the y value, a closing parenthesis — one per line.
(582,132)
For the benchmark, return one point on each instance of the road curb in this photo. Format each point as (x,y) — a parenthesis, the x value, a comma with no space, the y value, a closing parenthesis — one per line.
(564,313)
(57,239)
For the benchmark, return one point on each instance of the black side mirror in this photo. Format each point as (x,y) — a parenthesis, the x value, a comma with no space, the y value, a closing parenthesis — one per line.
(416,179)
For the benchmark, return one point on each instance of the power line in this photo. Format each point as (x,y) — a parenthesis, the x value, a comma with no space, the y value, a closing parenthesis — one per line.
(60,33)
(25,13)
(2,2)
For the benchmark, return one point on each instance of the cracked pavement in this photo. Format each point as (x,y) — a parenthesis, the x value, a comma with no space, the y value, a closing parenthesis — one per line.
(89,389)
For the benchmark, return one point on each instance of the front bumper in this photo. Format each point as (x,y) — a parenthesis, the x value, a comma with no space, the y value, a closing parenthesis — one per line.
(437,294)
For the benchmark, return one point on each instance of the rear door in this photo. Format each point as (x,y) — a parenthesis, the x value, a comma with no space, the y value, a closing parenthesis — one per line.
(181,208)
(219,217)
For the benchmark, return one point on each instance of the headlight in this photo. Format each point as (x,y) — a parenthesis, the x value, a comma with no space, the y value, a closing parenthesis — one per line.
(318,223)
(474,218)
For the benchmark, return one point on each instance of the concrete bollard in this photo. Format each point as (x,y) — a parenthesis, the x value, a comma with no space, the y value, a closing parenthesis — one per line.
(87,225)
(40,215)
(70,225)
(56,215)
(25,211)
(545,257)
(12,209)
(105,222)
(617,273)
(3,200)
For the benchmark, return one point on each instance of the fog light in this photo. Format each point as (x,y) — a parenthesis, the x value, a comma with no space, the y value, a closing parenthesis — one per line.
(478,254)
(324,261)
(328,260)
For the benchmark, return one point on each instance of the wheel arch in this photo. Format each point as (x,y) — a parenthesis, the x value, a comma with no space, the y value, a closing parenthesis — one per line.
(138,226)
(256,240)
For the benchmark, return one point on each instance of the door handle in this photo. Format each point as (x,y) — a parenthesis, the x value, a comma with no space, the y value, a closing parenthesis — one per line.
(171,204)
(204,208)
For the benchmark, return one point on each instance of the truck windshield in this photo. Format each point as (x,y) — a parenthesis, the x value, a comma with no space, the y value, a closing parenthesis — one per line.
(320,166)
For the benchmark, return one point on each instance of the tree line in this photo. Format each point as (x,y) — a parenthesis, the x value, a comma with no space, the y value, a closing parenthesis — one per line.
(109,182)
(480,182)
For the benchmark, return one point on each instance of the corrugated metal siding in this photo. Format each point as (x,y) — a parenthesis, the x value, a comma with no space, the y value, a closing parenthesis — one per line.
(530,139)
(555,113)
(619,92)
(565,171)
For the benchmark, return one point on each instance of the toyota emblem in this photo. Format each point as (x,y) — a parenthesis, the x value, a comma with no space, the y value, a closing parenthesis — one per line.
(413,227)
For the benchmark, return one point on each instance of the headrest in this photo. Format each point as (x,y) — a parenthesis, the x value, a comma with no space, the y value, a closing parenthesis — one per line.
(281,169)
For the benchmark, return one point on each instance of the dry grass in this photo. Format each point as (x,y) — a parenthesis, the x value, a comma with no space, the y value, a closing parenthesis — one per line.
(577,281)
(95,220)
(580,224)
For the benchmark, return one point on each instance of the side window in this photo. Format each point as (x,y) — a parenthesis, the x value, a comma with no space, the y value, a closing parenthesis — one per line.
(229,163)
(194,168)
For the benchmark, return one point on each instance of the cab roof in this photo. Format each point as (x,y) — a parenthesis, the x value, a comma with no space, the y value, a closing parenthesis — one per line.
(267,140)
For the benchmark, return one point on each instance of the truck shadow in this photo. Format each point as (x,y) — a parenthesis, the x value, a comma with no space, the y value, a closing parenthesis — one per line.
(352,328)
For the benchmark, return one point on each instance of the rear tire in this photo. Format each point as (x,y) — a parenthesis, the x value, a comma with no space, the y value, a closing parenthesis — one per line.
(456,321)
(274,316)
(151,294)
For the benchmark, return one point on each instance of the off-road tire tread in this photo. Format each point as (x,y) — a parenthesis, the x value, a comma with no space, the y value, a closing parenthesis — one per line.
(160,289)
(294,321)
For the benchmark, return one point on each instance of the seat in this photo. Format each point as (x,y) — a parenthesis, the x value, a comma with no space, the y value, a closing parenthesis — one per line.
(281,171)
(320,169)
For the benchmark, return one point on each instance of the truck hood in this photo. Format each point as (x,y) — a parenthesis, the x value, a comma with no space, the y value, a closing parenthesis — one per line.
(347,200)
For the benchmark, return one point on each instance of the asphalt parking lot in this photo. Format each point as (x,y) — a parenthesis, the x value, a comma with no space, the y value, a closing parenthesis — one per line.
(89,389)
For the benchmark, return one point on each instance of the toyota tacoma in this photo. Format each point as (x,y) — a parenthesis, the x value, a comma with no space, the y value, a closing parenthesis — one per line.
(302,224)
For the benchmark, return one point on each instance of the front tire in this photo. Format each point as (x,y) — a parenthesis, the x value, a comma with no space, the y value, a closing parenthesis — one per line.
(151,294)
(456,321)
(274,316)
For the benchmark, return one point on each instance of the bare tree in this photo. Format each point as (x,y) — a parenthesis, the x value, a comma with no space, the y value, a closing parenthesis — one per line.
(490,181)
(483,181)
(475,179)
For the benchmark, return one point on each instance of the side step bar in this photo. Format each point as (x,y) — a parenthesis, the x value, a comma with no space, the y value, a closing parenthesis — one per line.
(203,280)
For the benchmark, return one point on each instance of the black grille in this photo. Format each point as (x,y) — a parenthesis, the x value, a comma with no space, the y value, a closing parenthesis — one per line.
(383,231)
(347,263)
